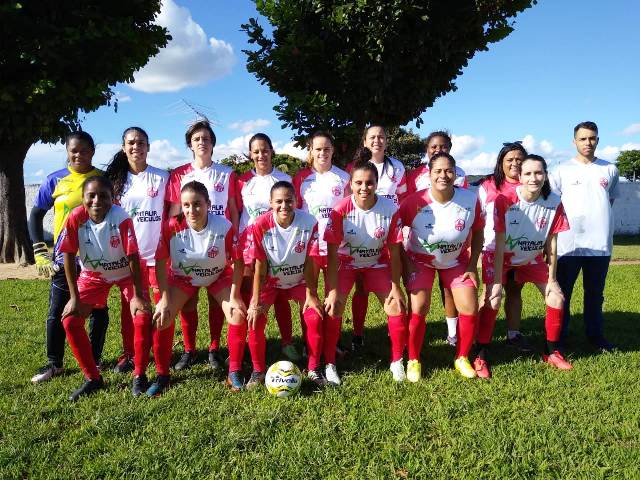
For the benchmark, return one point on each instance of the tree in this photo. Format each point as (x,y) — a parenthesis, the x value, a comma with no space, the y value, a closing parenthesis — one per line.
(629,164)
(60,58)
(340,65)
(406,146)
(285,162)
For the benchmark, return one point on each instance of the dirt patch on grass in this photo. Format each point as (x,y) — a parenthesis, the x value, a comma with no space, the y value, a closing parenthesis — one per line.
(13,271)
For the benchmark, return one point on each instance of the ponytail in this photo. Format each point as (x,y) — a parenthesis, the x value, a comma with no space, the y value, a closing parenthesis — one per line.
(117,171)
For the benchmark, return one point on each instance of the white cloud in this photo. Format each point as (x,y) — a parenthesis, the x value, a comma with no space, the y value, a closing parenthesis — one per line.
(480,164)
(122,98)
(235,146)
(249,125)
(39,173)
(633,129)
(163,154)
(189,59)
(290,149)
(630,146)
(463,145)
(609,152)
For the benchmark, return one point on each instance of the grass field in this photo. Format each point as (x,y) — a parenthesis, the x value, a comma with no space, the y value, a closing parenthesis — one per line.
(626,247)
(529,421)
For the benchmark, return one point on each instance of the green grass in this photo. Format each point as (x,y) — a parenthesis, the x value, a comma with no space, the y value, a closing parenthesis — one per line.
(528,421)
(626,247)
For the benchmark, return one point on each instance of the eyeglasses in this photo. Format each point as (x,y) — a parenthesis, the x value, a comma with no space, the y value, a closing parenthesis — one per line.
(509,144)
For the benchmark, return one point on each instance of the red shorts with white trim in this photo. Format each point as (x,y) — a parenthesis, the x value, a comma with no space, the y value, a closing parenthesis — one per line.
(224,281)
(95,291)
(268,294)
(376,280)
(422,278)
(530,273)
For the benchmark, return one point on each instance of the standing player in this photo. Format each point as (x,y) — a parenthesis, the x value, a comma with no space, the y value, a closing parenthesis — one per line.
(139,188)
(62,191)
(443,222)
(284,241)
(504,180)
(588,186)
(363,241)
(527,221)
(253,199)
(220,181)
(103,235)
(202,250)
(392,184)
(419,179)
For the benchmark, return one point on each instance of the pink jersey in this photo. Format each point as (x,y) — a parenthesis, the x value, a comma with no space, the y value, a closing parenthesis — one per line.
(103,247)
(528,225)
(440,232)
(143,197)
(419,179)
(392,179)
(220,181)
(199,257)
(362,235)
(487,193)
(253,194)
(284,249)
(317,193)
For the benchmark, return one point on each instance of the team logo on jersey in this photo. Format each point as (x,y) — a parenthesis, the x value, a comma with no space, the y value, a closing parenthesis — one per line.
(114,241)
(351,231)
(379,232)
(213,252)
(541,222)
(604,183)
(513,241)
(218,187)
(152,192)
(299,248)
(431,247)
(336,191)
(459,225)
(134,210)
(94,262)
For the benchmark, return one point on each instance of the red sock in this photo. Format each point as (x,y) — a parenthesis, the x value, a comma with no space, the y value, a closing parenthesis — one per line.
(236,340)
(282,311)
(258,344)
(331,334)
(126,327)
(313,337)
(553,323)
(142,339)
(162,348)
(303,328)
(486,324)
(216,320)
(156,296)
(398,333)
(81,346)
(189,324)
(417,328)
(359,306)
(466,332)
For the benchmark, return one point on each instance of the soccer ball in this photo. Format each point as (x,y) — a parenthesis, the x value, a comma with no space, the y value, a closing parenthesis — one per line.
(283,379)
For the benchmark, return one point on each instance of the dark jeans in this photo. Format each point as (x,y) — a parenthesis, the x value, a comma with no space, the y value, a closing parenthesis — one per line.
(56,336)
(594,275)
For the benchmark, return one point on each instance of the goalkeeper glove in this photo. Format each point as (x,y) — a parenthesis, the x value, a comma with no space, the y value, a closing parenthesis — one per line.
(43,259)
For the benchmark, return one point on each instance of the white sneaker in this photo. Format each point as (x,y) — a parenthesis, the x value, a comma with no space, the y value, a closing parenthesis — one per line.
(331,374)
(47,372)
(397,370)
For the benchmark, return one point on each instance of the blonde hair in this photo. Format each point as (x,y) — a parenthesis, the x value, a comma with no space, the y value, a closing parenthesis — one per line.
(318,134)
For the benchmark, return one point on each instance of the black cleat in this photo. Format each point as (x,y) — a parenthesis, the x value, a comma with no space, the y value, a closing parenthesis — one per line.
(87,388)
(187,359)
(140,385)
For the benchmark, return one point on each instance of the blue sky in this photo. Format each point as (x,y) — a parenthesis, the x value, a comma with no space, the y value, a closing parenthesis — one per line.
(567,61)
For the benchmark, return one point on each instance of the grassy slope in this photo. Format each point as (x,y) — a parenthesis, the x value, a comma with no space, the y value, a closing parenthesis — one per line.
(626,247)
(528,421)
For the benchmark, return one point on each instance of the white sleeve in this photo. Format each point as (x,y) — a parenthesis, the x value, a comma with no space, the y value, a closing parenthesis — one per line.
(556,181)
(614,192)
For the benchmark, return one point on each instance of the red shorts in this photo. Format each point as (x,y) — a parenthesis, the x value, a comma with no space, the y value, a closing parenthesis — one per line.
(95,291)
(422,278)
(320,261)
(224,281)
(532,273)
(268,294)
(376,280)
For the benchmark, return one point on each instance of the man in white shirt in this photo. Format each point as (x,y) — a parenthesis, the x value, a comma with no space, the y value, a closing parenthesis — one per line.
(588,186)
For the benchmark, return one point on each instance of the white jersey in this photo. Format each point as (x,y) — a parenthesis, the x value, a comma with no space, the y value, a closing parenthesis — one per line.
(103,247)
(392,179)
(198,257)
(220,181)
(362,235)
(440,232)
(420,178)
(285,249)
(143,197)
(586,191)
(317,193)
(487,193)
(254,194)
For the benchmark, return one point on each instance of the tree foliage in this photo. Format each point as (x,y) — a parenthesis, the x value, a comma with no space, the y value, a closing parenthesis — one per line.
(283,161)
(60,58)
(342,64)
(406,146)
(629,164)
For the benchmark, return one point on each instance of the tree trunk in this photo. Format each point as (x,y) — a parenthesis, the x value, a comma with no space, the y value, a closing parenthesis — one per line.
(15,244)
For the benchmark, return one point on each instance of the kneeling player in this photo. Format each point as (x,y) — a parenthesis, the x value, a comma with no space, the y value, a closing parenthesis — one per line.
(530,217)
(282,243)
